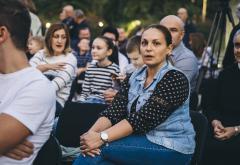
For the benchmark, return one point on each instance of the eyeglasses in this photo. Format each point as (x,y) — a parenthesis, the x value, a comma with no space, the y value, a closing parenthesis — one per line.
(237,45)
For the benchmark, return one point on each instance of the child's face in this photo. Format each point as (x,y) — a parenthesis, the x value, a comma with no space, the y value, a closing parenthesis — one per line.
(83,45)
(100,50)
(136,58)
(33,47)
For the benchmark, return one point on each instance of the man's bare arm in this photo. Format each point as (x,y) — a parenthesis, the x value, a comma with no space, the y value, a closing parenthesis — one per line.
(12,133)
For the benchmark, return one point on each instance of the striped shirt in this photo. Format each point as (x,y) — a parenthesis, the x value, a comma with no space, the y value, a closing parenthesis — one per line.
(97,80)
(61,79)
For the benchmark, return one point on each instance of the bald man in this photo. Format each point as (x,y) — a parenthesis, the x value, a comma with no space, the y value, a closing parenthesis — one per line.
(182,57)
(189,27)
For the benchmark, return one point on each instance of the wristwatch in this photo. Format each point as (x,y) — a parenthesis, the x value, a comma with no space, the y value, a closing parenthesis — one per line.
(104,137)
(236,129)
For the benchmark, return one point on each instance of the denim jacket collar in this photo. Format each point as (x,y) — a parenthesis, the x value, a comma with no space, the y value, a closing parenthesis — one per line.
(143,75)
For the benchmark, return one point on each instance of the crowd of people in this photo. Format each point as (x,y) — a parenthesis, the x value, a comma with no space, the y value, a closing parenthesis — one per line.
(147,82)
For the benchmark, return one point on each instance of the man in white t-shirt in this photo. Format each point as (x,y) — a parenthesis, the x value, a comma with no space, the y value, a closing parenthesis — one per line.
(27,98)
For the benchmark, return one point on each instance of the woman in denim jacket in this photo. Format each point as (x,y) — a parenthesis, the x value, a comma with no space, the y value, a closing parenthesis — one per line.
(148,121)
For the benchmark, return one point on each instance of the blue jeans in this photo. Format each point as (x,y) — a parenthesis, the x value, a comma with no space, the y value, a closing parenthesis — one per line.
(135,150)
(94,100)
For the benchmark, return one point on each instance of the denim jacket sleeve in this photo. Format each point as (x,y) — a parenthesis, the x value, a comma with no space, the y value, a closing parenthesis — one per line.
(170,93)
(117,111)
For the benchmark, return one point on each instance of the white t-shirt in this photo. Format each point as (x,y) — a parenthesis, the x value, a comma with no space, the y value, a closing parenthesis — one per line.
(30,98)
(123,63)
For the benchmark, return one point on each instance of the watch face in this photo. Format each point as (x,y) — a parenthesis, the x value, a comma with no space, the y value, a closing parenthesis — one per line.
(236,129)
(104,136)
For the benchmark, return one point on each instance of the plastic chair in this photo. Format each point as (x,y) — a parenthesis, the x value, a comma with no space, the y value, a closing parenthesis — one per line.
(200,124)
(50,153)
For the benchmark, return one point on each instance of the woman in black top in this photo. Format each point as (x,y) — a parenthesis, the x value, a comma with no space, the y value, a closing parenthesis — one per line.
(223,145)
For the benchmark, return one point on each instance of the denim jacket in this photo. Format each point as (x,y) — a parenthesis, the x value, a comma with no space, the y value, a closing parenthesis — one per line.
(176,132)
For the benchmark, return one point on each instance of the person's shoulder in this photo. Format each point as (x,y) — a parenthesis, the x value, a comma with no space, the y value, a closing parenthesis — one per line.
(114,65)
(36,80)
(92,65)
(41,53)
(186,53)
(230,70)
(175,73)
(174,76)
(190,24)
(43,87)
(36,75)
(34,17)
(71,56)
(122,56)
(138,72)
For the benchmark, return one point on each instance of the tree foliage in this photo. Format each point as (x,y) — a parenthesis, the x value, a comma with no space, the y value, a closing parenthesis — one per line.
(121,12)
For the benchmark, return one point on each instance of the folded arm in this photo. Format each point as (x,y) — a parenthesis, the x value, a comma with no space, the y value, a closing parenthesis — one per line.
(12,133)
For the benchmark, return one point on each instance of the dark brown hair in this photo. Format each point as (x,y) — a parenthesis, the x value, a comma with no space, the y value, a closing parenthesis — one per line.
(110,45)
(164,30)
(198,43)
(29,5)
(15,17)
(49,35)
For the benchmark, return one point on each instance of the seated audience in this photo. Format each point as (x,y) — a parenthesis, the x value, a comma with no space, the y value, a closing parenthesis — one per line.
(151,110)
(57,62)
(27,98)
(224,116)
(98,76)
(133,52)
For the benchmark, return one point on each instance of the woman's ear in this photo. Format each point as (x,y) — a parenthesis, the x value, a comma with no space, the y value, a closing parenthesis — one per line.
(170,48)
(109,52)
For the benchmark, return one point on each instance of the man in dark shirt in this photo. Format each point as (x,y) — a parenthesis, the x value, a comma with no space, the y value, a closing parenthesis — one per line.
(188,25)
